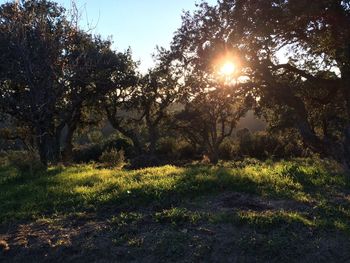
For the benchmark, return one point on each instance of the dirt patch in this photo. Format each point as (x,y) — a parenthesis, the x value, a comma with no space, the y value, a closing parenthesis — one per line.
(242,201)
(44,239)
(97,238)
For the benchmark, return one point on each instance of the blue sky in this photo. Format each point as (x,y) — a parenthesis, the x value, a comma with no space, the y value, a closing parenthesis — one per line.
(141,24)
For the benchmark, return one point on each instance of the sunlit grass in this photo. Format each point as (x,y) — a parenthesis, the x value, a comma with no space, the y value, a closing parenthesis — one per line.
(263,210)
(63,190)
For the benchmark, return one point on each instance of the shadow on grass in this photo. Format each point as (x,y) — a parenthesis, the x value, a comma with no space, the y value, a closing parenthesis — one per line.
(156,222)
(84,188)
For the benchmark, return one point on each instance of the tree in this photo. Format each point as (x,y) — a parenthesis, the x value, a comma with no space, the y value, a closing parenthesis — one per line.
(53,73)
(309,91)
(94,70)
(159,89)
(33,39)
(208,119)
(143,101)
(119,103)
(212,108)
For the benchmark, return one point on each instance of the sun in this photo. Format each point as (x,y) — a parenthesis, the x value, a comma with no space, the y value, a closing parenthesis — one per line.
(227,69)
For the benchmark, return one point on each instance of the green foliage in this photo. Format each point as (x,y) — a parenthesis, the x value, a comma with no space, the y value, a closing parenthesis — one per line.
(299,93)
(26,162)
(61,53)
(271,219)
(227,150)
(175,149)
(167,147)
(92,152)
(264,145)
(113,158)
(209,115)
(119,144)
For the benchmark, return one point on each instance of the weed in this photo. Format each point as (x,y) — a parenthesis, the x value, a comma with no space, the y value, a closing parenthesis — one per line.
(177,216)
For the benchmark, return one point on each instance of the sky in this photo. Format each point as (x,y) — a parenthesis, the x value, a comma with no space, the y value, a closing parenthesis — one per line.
(140,24)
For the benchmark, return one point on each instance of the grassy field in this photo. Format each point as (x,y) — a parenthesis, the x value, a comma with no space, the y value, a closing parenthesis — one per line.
(251,211)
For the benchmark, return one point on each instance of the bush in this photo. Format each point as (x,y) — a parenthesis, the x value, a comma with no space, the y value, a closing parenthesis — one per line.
(113,158)
(87,153)
(264,145)
(226,150)
(119,144)
(25,161)
(186,151)
(167,146)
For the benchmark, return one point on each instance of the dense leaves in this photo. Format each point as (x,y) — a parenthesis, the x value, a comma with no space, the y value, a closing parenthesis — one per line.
(51,72)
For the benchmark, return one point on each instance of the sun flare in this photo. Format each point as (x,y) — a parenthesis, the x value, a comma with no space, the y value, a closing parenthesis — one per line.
(227,69)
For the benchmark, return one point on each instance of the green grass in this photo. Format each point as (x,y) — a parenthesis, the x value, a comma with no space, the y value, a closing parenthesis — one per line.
(169,209)
(63,190)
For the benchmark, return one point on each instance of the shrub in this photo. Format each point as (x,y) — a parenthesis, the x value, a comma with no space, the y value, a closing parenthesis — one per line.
(205,159)
(167,146)
(119,144)
(87,153)
(264,145)
(226,150)
(186,151)
(25,161)
(113,158)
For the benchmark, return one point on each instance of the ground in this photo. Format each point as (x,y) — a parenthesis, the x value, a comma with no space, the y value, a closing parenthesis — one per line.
(250,211)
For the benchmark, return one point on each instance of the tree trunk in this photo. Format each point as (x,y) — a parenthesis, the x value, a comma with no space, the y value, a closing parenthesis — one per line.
(346,86)
(42,151)
(338,151)
(47,147)
(214,154)
(153,138)
(68,147)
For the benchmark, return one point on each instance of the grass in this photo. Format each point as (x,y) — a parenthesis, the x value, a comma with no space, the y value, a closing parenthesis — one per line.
(63,190)
(287,207)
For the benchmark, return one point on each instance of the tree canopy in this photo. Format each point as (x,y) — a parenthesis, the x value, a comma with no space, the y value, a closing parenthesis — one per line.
(293,59)
(287,60)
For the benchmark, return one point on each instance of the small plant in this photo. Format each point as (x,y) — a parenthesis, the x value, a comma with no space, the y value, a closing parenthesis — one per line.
(205,159)
(177,216)
(113,158)
(126,219)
